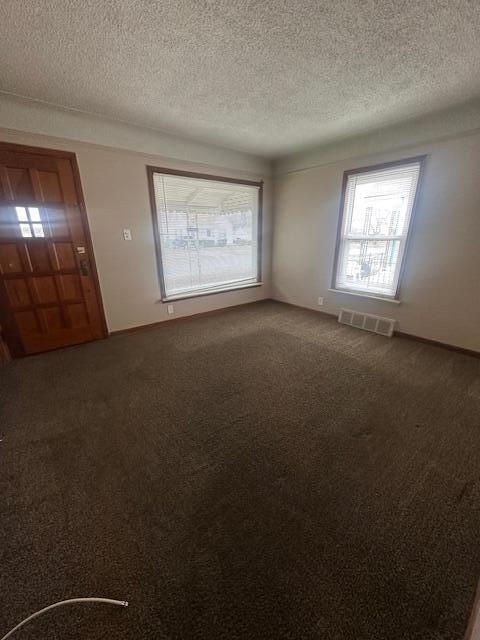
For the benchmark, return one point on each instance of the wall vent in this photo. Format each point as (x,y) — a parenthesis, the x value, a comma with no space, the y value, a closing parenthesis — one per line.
(367,321)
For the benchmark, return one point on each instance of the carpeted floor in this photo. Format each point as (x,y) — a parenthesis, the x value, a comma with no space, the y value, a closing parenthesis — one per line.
(265,473)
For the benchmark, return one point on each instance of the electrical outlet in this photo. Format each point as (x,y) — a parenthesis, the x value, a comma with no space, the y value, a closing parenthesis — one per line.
(170,309)
(127,234)
(320,301)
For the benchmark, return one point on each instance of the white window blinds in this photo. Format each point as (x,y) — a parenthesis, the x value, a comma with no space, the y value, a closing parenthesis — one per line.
(207,233)
(375,220)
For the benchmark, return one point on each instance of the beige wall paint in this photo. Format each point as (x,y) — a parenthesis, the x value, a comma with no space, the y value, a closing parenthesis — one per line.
(116,195)
(440,125)
(441,288)
(440,296)
(20,114)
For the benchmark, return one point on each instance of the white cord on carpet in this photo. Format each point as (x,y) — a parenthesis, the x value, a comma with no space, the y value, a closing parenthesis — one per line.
(121,603)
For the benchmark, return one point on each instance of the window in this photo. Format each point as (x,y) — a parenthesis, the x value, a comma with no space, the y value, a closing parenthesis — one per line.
(373,228)
(207,233)
(30,222)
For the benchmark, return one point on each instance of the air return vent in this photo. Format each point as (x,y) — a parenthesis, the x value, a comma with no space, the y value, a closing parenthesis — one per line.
(367,321)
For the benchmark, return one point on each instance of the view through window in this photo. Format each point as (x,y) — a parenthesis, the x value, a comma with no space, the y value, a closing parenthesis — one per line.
(207,233)
(374,226)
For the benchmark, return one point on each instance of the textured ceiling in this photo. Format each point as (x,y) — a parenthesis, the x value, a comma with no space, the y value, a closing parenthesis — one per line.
(269,77)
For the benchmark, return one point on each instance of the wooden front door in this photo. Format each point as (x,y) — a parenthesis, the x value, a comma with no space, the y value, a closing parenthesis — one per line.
(49,294)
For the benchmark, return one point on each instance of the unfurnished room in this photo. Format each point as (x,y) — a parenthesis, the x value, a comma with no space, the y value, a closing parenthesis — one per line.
(239,320)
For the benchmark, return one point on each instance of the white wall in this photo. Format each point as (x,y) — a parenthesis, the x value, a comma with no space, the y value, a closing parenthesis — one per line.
(440,125)
(36,117)
(115,186)
(440,296)
(441,288)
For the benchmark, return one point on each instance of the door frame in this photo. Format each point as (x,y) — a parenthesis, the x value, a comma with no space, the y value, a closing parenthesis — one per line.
(71,156)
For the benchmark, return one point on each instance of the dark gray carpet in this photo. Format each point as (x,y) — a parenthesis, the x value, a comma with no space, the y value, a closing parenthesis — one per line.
(265,473)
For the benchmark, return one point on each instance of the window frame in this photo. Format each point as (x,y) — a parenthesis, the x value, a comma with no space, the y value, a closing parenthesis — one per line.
(401,268)
(151,171)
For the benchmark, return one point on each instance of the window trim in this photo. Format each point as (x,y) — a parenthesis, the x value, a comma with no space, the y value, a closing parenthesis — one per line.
(151,170)
(377,167)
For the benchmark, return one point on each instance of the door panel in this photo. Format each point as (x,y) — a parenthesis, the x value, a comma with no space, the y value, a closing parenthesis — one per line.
(10,260)
(53,318)
(37,257)
(45,290)
(64,257)
(18,293)
(69,286)
(27,322)
(18,184)
(49,294)
(48,185)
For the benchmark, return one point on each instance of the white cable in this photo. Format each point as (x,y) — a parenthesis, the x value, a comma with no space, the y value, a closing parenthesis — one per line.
(121,603)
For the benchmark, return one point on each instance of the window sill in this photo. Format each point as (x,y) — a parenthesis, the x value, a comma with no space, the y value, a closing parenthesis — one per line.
(366,295)
(210,292)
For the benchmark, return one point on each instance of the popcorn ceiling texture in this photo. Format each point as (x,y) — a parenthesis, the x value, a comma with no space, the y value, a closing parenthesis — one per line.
(268,77)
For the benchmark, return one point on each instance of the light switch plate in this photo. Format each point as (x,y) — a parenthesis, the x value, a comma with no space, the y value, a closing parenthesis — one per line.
(127,234)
